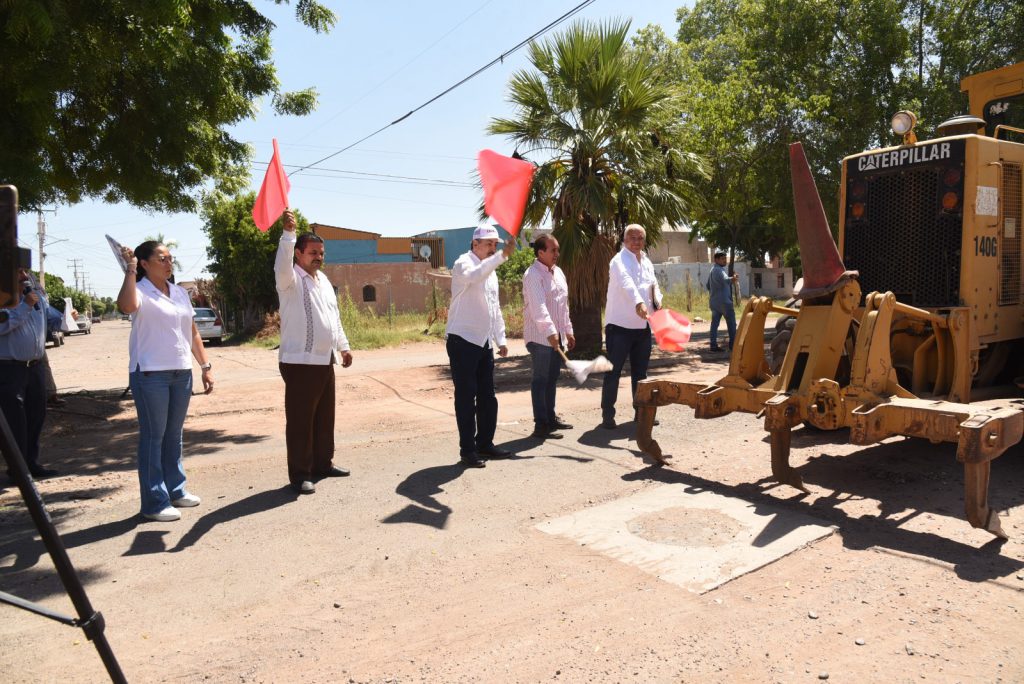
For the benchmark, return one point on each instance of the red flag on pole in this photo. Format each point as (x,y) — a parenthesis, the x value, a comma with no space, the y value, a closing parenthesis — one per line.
(506,184)
(273,197)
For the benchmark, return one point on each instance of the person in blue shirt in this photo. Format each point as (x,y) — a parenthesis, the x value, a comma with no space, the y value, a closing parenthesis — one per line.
(720,287)
(22,380)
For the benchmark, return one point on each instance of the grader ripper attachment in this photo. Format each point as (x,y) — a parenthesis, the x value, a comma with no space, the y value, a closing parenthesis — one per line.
(838,369)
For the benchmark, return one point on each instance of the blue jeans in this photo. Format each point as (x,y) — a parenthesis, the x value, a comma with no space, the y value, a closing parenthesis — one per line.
(624,343)
(161,400)
(546,365)
(476,407)
(729,314)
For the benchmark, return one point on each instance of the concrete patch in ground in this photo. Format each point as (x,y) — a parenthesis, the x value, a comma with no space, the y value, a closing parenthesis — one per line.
(693,538)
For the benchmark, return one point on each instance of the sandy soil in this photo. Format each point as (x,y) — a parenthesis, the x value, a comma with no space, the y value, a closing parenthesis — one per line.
(416,570)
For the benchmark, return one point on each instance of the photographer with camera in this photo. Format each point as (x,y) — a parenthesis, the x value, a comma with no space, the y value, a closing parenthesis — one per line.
(22,380)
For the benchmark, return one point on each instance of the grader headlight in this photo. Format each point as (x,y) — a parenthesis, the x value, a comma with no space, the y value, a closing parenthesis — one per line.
(903,123)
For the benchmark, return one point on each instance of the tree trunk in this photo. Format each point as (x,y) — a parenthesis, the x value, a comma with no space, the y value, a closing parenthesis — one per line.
(588,287)
(586,324)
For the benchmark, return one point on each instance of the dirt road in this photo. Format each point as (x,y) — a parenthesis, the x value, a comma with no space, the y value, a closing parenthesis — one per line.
(416,570)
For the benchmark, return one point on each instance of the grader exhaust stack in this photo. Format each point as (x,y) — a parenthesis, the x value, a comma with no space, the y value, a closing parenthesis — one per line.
(839,369)
(824,271)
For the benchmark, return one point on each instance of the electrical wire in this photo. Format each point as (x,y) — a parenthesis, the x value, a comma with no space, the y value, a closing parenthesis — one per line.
(386,177)
(397,71)
(497,60)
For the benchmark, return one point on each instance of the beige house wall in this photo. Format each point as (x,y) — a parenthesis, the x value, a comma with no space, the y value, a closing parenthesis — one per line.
(675,247)
(405,285)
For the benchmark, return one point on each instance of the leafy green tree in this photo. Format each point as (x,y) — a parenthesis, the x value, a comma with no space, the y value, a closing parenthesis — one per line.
(511,272)
(590,113)
(242,257)
(132,100)
(57,290)
(753,76)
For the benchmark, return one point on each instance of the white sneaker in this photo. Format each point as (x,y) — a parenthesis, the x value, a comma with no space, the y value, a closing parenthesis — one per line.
(186,501)
(167,515)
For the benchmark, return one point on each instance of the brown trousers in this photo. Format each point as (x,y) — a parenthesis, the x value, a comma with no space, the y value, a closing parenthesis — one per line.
(309,417)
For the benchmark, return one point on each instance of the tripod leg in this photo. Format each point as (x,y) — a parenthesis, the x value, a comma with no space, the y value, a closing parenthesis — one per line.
(89,620)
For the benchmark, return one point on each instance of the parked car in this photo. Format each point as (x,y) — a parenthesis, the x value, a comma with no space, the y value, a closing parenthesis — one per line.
(209,325)
(84,325)
(54,335)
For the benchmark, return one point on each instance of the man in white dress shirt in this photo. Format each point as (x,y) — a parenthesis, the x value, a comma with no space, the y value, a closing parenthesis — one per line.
(633,293)
(474,324)
(312,341)
(545,323)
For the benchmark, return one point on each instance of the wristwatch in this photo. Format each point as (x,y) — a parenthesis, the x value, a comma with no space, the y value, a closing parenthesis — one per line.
(205,366)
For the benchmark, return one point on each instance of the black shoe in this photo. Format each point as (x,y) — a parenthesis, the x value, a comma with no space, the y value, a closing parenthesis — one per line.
(494,452)
(543,431)
(304,487)
(559,424)
(472,461)
(335,471)
(715,349)
(41,473)
(608,424)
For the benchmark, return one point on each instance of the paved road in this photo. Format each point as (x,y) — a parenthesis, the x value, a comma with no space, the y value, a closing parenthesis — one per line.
(416,570)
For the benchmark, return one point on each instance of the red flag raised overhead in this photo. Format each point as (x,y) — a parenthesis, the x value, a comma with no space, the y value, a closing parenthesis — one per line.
(273,197)
(506,184)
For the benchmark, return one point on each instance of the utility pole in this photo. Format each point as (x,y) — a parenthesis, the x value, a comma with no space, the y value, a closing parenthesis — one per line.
(75,264)
(41,227)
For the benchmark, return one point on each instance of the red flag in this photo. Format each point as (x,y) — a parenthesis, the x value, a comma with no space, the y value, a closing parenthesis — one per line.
(506,184)
(671,330)
(273,197)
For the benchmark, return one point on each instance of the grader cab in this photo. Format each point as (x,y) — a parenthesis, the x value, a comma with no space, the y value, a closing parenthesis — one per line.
(932,233)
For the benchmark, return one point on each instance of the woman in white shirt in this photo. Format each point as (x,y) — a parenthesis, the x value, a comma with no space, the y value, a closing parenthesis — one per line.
(160,374)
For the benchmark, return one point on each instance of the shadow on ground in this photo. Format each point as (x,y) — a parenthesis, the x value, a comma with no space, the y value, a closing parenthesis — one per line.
(906,483)
(97,432)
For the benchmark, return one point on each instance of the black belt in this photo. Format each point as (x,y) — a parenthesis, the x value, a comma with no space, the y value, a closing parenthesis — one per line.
(14,362)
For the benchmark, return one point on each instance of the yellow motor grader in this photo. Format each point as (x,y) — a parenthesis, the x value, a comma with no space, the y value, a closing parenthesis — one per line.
(931,231)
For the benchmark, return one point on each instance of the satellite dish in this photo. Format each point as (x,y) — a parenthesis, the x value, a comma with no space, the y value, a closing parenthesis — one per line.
(425,251)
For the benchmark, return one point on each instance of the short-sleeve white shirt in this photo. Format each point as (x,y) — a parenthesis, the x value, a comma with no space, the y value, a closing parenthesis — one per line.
(161,337)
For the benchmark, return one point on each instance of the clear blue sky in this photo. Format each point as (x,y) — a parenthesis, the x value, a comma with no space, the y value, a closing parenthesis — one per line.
(382,59)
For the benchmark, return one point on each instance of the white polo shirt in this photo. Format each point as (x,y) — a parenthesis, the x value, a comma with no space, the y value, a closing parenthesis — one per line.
(311,331)
(630,282)
(161,337)
(475,312)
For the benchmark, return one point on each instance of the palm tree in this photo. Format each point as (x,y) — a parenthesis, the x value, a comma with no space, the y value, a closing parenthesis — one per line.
(594,115)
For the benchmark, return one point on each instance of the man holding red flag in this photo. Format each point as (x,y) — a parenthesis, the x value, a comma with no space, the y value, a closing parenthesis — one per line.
(312,341)
(474,324)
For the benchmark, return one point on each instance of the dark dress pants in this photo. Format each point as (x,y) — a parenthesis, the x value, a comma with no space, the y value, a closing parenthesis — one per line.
(624,343)
(309,418)
(547,365)
(476,407)
(23,402)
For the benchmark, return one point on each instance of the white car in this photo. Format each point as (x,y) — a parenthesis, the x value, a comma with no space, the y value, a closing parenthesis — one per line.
(209,325)
(84,324)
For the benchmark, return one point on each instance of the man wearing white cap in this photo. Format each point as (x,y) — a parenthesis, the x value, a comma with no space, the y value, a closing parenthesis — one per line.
(474,323)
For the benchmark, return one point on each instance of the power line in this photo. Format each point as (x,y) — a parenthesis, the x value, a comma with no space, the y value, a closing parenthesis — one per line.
(397,71)
(416,180)
(497,60)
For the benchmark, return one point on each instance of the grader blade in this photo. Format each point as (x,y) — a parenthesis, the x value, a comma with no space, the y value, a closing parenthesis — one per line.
(845,363)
